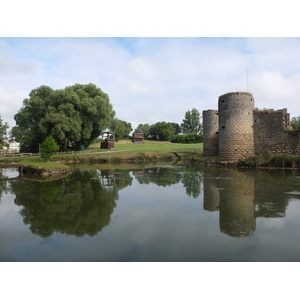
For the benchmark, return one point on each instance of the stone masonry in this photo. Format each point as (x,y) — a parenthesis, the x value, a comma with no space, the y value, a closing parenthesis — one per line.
(236,131)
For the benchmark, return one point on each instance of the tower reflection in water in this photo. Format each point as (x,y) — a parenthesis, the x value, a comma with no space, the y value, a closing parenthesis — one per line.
(232,193)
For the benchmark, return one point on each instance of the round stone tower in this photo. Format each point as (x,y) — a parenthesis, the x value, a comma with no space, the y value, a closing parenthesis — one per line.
(236,136)
(210,132)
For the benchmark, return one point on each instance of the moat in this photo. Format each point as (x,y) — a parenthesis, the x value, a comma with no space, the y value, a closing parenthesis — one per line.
(162,213)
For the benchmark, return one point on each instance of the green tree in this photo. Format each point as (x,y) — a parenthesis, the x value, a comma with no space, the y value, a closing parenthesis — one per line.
(191,122)
(74,116)
(177,128)
(121,129)
(163,131)
(143,128)
(295,123)
(48,147)
(189,138)
(3,131)
(260,109)
(27,131)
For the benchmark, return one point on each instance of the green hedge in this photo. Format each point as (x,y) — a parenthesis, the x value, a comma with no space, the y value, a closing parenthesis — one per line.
(190,138)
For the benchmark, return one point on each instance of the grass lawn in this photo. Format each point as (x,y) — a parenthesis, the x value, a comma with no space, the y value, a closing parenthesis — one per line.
(123,149)
(149,146)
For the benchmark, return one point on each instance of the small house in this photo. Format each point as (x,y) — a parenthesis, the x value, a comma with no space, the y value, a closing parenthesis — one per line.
(137,138)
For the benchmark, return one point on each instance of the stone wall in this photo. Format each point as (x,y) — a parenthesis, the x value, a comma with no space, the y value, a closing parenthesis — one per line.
(210,132)
(272,133)
(236,131)
(236,137)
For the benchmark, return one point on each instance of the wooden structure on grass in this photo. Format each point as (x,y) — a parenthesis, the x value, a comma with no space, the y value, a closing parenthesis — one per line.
(137,138)
(107,140)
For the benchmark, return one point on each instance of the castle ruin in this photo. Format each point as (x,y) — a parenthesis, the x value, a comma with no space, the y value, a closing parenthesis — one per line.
(236,130)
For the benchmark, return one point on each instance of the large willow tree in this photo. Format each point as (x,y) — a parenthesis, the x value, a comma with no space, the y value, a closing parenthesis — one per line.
(73,116)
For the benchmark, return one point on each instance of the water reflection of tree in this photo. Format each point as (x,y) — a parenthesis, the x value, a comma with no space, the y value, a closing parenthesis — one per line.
(122,178)
(271,192)
(192,179)
(76,205)
(159,176)
(3,183)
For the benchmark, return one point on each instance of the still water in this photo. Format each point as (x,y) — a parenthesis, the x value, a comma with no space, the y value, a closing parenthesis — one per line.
(162,213)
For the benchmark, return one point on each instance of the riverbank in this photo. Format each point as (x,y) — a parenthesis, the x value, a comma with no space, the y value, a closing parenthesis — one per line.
(65,164)
(38,168)
(150,152)
(59,164)
(269,161)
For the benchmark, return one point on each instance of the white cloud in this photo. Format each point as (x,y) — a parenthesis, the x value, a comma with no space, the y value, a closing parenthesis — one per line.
(10,104)
(154,79)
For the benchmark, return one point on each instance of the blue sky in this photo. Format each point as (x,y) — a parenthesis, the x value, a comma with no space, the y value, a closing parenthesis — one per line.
(155,60)
(153,79)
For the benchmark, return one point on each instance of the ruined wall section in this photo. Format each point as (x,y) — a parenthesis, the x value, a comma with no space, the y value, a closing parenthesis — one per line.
(236,135)
(272,133)
(210,132)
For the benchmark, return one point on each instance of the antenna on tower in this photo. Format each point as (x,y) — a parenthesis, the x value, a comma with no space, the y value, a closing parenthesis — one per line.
(247,81)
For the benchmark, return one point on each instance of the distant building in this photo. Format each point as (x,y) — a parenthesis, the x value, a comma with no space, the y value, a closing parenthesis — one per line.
(13,146)
(138,138)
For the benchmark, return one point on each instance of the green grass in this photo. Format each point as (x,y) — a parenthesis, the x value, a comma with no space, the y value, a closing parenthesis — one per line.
(94,153)
(149,146)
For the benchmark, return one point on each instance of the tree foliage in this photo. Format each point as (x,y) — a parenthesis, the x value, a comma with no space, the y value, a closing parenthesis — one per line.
(177,128)
(190,138)
(191,122)
(163,131)
(260,109)
(48,147)
(75,115)
(3,131)
(143,128)
(121,129)
(75,205)
(295,123)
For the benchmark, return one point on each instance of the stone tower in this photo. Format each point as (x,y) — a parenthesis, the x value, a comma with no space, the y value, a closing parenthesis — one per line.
(236,135)
(210,132)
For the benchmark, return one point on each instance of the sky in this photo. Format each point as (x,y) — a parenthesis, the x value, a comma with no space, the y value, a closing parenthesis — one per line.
(157,59)
(153,79)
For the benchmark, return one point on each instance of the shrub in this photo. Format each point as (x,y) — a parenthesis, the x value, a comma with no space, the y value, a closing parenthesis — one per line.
(48,147)
(190,138)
